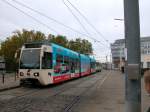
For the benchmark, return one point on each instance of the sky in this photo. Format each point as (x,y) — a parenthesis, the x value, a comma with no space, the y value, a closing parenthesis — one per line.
(100,13)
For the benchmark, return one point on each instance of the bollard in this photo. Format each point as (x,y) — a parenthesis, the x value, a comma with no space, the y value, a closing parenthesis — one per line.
(2,69)
(3,77)
(15,75)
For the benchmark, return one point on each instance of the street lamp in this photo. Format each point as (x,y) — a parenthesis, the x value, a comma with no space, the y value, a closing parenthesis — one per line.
(118,19)
(121,48)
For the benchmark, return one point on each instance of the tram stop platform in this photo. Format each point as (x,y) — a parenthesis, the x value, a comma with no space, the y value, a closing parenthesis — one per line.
(109,96)
(9,81)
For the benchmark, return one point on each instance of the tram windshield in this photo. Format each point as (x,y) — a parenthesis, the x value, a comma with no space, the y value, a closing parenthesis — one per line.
(30,59)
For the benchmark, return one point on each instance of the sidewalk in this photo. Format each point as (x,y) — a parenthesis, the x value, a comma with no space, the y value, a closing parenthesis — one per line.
(9,82)
(109,96)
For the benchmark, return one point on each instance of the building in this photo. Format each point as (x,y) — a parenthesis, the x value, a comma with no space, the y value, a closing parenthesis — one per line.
(118,52)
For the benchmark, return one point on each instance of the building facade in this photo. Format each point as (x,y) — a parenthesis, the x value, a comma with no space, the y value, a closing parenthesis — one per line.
(118,52)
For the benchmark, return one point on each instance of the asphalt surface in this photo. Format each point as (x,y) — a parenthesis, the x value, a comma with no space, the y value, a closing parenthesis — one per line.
(101,92)
(54,98)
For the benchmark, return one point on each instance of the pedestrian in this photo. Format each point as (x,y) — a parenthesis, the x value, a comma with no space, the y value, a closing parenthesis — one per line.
(122,69)
(147,81)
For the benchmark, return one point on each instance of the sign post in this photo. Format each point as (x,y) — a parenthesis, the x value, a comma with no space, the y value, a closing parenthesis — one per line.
(2,70)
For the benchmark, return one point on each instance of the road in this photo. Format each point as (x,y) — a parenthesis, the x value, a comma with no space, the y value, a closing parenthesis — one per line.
(54,98)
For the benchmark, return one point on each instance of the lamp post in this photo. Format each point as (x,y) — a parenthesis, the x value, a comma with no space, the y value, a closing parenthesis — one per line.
(120,56)
(121,46)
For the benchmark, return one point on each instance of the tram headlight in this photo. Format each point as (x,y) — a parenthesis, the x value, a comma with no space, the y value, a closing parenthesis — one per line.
(21,74)
(36,74)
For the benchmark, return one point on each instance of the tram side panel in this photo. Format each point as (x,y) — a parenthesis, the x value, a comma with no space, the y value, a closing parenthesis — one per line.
(66,64)
(85,65)
(93,65)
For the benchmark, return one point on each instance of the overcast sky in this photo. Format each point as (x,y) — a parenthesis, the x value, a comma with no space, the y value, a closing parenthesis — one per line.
(100,13)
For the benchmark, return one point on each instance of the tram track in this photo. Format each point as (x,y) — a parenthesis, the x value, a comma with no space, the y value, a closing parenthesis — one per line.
(18,92)
(26,91)
(52,94)
(77,98)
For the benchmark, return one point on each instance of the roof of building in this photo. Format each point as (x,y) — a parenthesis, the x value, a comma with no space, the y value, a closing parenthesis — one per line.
(145,38)
(120,41)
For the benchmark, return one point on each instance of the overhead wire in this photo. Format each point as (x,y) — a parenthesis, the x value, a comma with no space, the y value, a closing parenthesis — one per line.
(76,17)
(33,18)
(84,19)
(48,17)
(54,20)
(101,35)
(95,40)
(5,1)
(44,15)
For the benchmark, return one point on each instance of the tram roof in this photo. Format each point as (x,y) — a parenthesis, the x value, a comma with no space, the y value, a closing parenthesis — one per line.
(39,44)
(64,49)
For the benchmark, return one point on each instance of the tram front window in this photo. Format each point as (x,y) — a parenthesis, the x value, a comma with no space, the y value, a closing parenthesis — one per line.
(30,59)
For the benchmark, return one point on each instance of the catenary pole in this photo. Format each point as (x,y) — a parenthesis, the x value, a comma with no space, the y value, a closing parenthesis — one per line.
(132,39)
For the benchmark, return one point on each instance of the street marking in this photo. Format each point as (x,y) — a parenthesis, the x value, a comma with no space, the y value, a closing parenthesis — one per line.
(99,85)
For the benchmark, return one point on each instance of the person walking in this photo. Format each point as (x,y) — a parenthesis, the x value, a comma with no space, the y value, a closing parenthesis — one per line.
(147,81)
(122,69)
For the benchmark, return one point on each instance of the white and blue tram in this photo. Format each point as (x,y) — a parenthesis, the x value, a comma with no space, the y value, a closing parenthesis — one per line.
(48,63)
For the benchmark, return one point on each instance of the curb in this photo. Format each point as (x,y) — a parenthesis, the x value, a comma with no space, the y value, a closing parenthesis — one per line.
(9,88)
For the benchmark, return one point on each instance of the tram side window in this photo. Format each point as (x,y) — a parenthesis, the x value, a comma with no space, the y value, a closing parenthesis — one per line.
(65,65)
(47,60)
(59,59)
(93,65)
(72,65)
(77,64)
(66,62)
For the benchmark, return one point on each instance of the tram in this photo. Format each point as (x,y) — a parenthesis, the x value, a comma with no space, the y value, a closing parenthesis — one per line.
(49,63)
